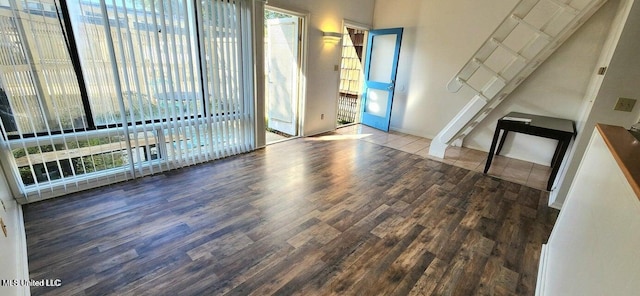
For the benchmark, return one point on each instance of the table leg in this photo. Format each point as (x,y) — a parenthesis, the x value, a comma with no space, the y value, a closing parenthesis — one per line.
(555,154)
(492,149)
(502,138)
(562,145)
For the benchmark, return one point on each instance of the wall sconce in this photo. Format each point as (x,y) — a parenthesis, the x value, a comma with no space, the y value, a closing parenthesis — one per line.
(331,37)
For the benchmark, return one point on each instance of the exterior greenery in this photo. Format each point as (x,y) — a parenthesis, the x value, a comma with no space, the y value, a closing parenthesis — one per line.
(67,167)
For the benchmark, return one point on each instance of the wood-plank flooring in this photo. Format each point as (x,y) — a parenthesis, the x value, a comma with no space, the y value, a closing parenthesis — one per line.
(304,217)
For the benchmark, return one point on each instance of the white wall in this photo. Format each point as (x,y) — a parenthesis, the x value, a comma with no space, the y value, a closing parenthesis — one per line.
(594,248)
(322,80)
(439,38)
(13,260)
(444,35)
(620,80)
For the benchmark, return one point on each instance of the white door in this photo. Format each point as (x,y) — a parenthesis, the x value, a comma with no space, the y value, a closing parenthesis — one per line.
(283,72)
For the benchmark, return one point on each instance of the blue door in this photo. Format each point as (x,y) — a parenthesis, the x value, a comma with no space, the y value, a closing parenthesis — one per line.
(380,68)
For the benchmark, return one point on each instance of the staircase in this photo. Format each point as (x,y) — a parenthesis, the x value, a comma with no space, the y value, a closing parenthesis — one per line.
(531,32)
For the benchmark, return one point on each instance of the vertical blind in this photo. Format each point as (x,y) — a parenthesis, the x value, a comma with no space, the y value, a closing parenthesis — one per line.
(95,92)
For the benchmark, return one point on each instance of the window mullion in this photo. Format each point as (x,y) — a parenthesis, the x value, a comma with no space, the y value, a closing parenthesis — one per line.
(67,30)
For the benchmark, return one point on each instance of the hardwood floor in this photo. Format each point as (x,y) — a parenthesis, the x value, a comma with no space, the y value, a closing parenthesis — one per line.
(305,217)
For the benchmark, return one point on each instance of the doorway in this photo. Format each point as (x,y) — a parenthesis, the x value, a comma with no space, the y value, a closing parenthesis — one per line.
(283,72)
(351,75)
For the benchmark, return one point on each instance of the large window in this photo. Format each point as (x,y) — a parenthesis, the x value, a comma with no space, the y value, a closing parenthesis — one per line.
(91,89)
(153,45)
(38,86)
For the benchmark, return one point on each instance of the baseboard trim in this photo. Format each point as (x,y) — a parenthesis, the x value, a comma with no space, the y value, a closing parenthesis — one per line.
(315,133)
(553,199)
(542,270)
(411,132)
(23,261)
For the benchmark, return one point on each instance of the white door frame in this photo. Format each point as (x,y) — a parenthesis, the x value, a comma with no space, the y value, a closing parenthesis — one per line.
(302,88)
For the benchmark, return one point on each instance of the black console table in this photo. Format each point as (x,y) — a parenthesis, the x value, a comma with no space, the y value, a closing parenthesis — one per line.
(559,129)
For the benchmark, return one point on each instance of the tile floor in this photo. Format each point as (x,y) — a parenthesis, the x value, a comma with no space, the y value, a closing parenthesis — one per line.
(514,170)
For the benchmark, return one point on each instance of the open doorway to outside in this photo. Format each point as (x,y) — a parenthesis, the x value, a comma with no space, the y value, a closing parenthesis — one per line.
(283,71)
(351,75)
